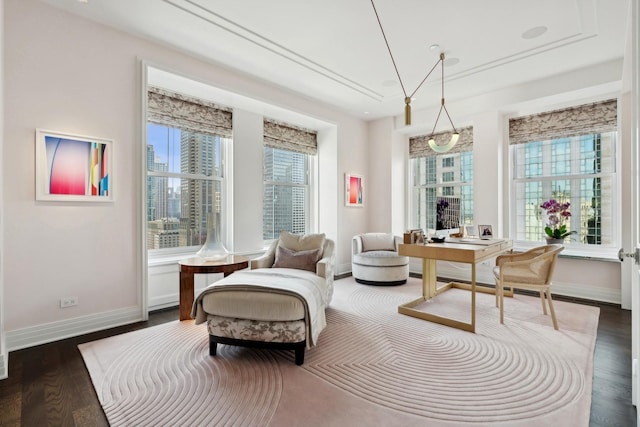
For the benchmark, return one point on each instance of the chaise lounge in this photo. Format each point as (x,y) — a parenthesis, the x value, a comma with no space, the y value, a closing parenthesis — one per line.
(279,304)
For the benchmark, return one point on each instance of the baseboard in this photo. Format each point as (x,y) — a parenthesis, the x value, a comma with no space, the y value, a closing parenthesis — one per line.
(4,367)
(49,332)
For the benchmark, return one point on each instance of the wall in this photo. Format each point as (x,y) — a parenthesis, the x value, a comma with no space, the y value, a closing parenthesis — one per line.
(69,74)
(3,345)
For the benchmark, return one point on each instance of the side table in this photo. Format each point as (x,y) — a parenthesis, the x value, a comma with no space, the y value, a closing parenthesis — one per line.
(191,266)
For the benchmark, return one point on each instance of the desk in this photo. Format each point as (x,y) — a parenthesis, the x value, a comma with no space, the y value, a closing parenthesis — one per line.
(191,266)
(456,252)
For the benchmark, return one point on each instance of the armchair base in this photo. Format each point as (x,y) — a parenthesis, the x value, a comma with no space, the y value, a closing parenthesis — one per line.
(378,283)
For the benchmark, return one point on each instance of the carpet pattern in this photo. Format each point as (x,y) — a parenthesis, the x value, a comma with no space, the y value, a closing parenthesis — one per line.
(372,366)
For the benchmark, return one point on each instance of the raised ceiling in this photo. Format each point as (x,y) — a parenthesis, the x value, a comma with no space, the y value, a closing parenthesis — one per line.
(333,50)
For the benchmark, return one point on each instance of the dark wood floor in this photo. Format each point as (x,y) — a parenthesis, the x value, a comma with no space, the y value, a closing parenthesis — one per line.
(49,384)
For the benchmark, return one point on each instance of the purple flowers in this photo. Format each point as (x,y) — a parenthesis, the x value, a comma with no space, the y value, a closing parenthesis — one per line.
(557,214)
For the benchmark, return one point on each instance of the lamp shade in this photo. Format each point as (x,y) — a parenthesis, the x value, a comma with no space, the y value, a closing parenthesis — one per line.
(455,136)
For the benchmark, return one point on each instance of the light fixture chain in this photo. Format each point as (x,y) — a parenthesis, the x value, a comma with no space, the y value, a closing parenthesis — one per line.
(389,49)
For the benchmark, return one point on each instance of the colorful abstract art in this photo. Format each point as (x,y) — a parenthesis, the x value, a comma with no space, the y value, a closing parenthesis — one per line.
(354,190)
(72,167)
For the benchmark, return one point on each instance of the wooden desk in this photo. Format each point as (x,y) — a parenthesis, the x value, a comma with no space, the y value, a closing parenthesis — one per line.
(456,252)
(191,266)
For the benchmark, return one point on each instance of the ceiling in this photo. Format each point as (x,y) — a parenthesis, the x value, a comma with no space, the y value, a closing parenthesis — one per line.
(333,51)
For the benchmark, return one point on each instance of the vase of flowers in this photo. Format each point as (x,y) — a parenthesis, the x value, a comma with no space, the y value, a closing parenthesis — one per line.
(557,215)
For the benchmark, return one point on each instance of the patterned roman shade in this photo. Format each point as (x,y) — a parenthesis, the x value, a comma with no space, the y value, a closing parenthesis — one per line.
(581,120)
(288,137)
(184,112)
(419,145)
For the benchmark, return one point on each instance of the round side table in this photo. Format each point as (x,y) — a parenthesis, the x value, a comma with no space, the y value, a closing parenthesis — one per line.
(191,266)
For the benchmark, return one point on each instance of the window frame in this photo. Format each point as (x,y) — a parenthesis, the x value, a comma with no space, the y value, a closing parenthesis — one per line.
(439,184)
(575,250)
(310,187)
(224,180)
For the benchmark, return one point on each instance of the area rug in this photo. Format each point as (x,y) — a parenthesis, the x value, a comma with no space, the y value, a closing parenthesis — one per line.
(372,367)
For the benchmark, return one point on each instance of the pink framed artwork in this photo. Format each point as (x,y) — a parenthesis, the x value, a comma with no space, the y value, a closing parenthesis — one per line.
(354,190)
(73,167)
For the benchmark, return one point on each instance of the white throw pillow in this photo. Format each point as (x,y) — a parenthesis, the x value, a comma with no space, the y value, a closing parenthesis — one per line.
(378,242)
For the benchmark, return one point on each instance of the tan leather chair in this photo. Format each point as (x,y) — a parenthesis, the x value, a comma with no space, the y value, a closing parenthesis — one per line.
(531,270)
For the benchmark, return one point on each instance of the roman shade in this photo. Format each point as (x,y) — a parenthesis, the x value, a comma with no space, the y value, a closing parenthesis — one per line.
(419,145)
(288,137)
(585,119)
(187,113)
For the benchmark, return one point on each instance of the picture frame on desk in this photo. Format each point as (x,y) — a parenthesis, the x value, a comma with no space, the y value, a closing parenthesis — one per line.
(485,232)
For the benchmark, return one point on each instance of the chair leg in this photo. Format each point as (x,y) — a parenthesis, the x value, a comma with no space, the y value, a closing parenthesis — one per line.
(497,296)
(553,312)
(544,306)
(501,292)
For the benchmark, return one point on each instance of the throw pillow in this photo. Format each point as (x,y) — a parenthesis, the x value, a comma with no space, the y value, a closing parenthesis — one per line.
(301,242)
(301,260)
(378,242)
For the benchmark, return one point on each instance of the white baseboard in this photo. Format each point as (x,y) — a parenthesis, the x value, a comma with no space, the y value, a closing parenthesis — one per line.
(4,366)
(49,332)
(342,269)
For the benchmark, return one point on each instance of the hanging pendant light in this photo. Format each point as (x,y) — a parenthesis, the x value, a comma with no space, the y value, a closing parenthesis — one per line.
(455,135)
(407,98)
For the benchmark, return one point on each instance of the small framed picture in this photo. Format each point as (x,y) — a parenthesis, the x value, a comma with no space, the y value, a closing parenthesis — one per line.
(485,232)
(354,190)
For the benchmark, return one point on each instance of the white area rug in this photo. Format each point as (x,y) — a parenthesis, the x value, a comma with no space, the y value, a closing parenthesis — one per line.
(371,367)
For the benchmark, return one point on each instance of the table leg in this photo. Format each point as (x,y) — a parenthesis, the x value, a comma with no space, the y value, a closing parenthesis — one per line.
(473,297)
(186,295)
(429,280)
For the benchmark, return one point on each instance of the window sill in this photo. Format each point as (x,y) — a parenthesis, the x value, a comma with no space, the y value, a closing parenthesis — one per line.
(585,254)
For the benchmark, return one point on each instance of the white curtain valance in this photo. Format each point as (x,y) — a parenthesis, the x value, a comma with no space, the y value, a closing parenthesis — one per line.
(187,113)
(581,120)
(419,145)
(288,137)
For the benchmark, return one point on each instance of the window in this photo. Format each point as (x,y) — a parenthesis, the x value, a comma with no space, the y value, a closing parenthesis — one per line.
(579,170)
(186,142)
(184,183)
(435,176)
(568,155)
(287,158)
(286,192)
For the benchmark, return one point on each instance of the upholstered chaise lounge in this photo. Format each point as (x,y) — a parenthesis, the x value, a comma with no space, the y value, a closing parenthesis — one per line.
(277,304)
(375,260)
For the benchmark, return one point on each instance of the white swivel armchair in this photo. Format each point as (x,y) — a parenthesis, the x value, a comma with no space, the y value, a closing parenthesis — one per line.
(375,260)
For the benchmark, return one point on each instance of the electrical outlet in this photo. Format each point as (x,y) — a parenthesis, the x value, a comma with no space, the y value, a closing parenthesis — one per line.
(68,302)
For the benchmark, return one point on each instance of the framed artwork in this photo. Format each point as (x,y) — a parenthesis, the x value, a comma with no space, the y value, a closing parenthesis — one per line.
(354,190)
(73,167)
(485,232)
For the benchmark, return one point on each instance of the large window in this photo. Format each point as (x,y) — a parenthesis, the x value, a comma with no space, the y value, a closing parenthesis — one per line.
(442,182)
(287,159)
(286,192)
(186,140)
(184,184)
(568,155)
(579,170)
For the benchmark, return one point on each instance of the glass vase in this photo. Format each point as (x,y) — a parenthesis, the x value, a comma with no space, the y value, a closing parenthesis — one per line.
(213,248)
